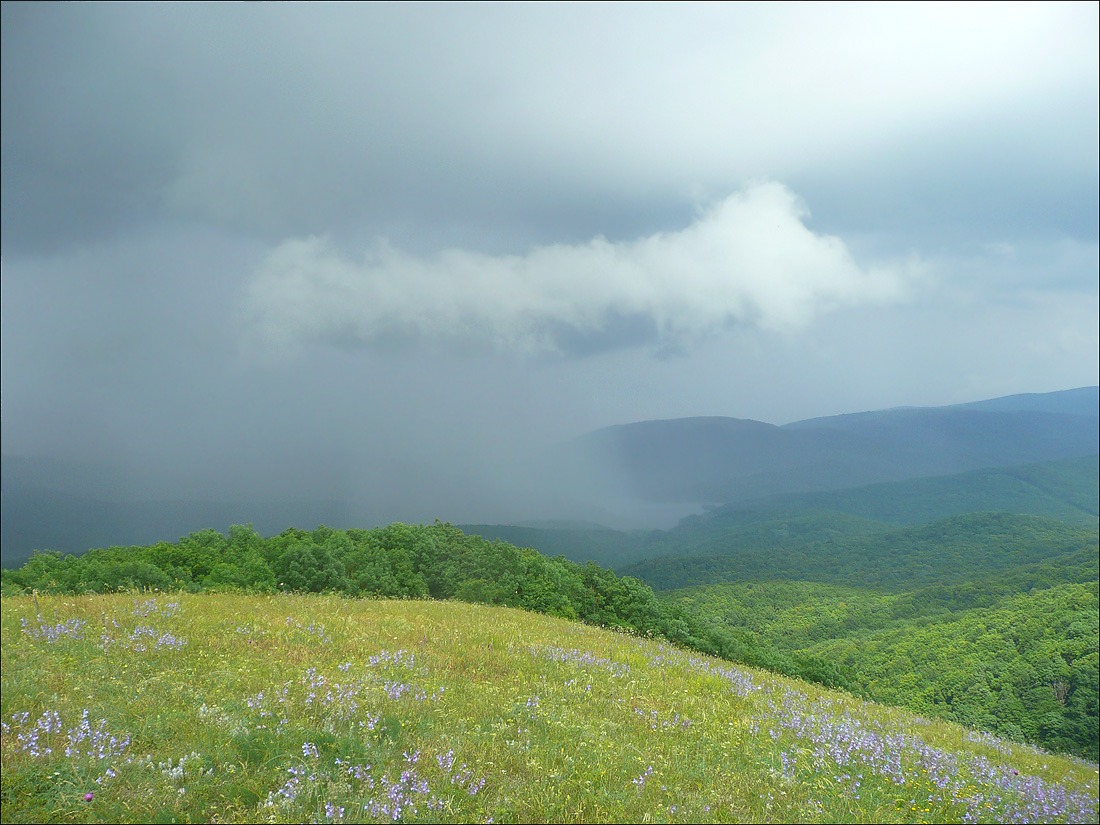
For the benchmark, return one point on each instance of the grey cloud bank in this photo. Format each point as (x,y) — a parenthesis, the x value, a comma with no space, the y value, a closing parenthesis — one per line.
(295,118)
(385,253)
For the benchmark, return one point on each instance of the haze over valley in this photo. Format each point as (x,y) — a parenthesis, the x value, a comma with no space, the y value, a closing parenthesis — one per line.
(646,475)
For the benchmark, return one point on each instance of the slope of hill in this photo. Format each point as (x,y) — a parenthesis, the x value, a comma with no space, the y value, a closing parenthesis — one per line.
(397,561)
(292,709)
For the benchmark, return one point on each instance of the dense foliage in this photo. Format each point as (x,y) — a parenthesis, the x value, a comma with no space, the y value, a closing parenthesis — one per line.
(953,551)
(606,547)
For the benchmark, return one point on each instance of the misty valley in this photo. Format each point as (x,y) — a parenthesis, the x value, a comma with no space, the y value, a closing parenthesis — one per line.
(898,571)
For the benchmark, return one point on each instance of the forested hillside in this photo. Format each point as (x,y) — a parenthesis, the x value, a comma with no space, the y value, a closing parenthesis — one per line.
(837,611)
(1022,663)
(605,547)
(951,551)
(1067,490)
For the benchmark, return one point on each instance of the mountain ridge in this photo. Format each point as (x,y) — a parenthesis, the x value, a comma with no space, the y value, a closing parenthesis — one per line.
(711,459)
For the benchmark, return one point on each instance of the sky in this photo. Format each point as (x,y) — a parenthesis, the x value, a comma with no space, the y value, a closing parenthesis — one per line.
(388,252)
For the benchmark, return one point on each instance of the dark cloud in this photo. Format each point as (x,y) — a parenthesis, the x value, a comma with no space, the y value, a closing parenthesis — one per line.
(288,120)
(1034,173)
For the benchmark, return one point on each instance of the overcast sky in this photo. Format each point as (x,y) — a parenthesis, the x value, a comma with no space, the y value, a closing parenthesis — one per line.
(379,250)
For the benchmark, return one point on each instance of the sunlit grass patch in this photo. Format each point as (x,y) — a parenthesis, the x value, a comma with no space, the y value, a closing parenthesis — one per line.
(220,707)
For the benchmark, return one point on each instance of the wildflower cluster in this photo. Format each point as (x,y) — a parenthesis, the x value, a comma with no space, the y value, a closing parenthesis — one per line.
(142,638)
(655,722)
(740,683)
(99,743)
(463,777)
(313,629)
(389,795)
(150,607)
(28,738)
(54,633)
(581,658)
(839,744)
(84,746)
(338,700)
(640,779)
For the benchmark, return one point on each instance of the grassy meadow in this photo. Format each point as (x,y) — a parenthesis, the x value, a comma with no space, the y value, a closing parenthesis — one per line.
(153,707)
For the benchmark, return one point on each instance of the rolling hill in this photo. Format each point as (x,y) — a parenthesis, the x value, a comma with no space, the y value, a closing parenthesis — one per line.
(321,709)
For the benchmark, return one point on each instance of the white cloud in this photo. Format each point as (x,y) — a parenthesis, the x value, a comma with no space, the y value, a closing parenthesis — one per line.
(749,259)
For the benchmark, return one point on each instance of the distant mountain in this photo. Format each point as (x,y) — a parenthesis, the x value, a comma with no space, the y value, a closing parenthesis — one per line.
(1081,401)
(723,460)
(655,468)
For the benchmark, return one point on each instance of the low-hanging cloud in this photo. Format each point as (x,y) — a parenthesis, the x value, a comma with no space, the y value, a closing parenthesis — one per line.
(749,259)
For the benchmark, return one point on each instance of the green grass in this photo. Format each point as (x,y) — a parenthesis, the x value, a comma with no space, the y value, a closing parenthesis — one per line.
(457,712)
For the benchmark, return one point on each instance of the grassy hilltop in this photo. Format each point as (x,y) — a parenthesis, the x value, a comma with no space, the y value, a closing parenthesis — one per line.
(292,708)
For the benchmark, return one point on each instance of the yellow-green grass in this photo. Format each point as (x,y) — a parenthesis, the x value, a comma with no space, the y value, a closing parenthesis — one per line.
(444,711)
